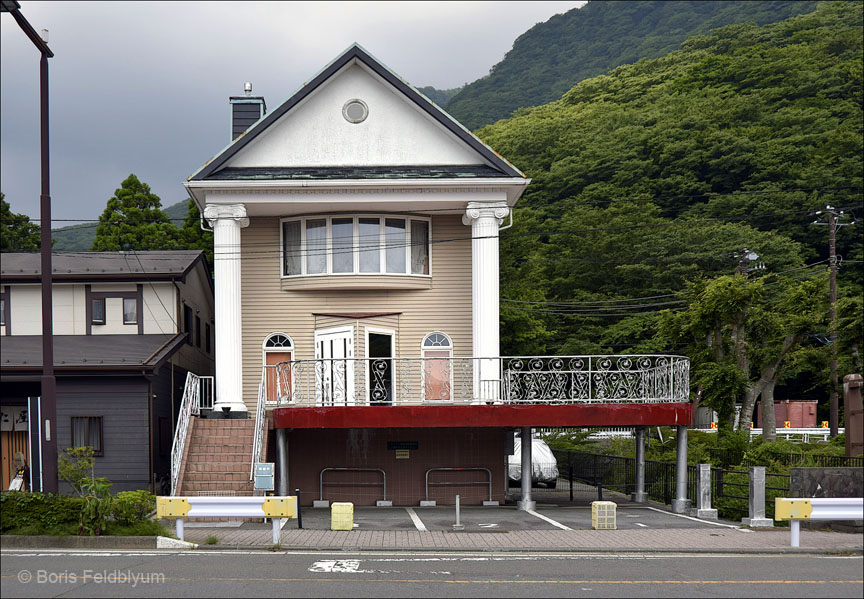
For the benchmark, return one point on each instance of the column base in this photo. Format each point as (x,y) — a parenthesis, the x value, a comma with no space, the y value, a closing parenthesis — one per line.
(709,514)
(235,410)
(232,415)
(640,497)
(758,522)
(680,506)
(524,506)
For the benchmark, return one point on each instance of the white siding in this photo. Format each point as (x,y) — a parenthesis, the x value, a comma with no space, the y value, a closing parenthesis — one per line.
(160,309)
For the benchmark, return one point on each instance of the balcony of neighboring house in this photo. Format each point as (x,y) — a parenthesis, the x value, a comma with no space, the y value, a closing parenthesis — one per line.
(438,389)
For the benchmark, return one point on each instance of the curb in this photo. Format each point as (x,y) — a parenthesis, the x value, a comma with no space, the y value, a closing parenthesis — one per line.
(75,542)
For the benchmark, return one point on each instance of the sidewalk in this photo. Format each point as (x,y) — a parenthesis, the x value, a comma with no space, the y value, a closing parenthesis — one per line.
(695,540)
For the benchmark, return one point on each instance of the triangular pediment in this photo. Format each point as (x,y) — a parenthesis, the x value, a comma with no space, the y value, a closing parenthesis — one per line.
(319,127)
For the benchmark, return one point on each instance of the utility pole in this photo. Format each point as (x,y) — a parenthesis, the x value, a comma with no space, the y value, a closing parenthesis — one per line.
(48,401)
(833,223)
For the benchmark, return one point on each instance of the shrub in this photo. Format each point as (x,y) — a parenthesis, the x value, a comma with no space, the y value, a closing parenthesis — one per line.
(97,506)
(132,506)
(76,467)
(40,513)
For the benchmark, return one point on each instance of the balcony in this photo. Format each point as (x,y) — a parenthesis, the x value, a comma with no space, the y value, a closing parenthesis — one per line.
(443,381)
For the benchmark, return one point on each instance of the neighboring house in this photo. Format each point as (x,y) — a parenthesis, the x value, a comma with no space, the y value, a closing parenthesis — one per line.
(128,326)
(357,305)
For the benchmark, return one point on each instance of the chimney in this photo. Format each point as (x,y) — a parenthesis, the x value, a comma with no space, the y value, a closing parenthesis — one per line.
(246,110)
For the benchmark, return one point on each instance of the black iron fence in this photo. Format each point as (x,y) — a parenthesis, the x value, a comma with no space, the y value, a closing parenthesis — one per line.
(730,457)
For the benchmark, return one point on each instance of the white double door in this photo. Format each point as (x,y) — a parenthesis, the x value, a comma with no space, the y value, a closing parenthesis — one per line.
(334,370)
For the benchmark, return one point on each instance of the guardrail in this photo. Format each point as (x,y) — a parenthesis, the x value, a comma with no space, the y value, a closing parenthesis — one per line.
(816,508)
(380,503)
(181,508)
(458,483)
(501,380)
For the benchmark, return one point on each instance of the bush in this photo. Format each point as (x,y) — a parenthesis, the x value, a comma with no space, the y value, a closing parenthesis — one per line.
(39,512)
(130,507)
(76,467)
(97,506)
(142,528)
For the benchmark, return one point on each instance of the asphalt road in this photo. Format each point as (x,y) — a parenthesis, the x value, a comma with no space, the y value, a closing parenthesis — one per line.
(336,574)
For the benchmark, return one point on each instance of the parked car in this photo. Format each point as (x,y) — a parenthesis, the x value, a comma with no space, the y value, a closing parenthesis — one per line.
(544,466)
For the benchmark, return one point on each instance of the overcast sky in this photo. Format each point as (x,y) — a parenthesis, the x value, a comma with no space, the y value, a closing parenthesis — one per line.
(142,87)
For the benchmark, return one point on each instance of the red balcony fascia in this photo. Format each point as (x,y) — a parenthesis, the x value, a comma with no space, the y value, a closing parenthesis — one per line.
(507,416)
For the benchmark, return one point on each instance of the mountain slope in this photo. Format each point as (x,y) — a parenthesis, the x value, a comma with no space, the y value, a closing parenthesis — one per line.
(553,56)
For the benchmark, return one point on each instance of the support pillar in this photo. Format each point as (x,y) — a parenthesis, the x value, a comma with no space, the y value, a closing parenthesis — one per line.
(282,462)
(756,511)
(640,496)
(703,495)
(485,218)
(227,222)
(525,503)
(681,505)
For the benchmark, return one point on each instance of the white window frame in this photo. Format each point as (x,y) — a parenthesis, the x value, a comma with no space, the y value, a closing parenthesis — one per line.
(265,349)
(328,268)
(392,334)
(423,349)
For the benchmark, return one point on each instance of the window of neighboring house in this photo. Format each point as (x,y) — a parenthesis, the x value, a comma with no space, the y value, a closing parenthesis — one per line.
(87,431)
(355,245)
(97,310)
(198,331)
(437,349)
(130,310)
(207,334)
(187,323)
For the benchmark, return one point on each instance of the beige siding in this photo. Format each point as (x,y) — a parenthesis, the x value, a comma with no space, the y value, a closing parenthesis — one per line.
(268,307)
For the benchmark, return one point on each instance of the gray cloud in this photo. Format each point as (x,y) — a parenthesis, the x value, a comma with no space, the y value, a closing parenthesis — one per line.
(143,86)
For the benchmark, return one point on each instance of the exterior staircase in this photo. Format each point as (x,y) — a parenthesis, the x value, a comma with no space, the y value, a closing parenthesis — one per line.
(217,457)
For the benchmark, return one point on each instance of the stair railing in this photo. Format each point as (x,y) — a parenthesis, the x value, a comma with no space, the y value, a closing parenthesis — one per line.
(189,406)
(260,419)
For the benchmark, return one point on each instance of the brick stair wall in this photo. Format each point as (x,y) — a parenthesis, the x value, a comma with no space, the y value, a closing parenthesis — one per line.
(217,457)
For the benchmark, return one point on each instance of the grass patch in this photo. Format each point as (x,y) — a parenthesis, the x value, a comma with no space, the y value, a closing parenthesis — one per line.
(211,540)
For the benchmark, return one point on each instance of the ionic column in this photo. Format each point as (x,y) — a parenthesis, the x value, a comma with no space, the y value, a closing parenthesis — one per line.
(485,218)
(227,222)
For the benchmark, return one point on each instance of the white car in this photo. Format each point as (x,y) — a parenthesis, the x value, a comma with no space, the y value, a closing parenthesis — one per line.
(544,466)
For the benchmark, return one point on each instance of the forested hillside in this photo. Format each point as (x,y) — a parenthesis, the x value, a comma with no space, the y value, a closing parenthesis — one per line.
(553,56)
(658,175)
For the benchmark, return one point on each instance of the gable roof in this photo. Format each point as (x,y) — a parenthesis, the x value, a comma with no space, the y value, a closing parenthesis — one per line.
(356,53)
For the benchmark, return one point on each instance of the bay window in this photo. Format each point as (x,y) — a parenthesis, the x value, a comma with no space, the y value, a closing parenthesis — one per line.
(370,244)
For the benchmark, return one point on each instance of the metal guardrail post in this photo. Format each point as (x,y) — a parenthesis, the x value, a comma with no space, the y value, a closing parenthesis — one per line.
(299,513)
(756,503)
(816,508)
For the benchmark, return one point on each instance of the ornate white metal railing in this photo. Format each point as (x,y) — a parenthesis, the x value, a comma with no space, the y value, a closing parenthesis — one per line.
(208,392)
(191,405)
(260,419)
(503,380)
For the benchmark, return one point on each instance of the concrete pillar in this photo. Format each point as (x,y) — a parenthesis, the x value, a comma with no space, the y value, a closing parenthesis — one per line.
(282,462)
(485,218)
(640,496)
(853,413)
(527,471)
(680,504)
(227,222)
(703,495)
(756,509)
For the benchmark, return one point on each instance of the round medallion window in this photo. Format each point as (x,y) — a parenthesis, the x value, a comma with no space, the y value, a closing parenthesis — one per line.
(355,111)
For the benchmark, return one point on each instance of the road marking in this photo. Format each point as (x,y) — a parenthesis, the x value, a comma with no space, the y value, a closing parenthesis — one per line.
(694,519)
(488,525)
(640,524)
(549,520)
(418,523)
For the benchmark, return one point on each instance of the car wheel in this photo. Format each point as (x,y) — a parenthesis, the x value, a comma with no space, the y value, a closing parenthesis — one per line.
(552,483)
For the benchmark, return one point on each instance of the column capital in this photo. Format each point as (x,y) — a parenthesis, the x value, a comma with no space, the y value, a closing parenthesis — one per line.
(236,212)
(478,210)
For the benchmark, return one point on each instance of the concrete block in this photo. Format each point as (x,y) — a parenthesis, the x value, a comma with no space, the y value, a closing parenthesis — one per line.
(321,503)
(427,504)
(490,504)
(382,503)
(342,516)
(704,514)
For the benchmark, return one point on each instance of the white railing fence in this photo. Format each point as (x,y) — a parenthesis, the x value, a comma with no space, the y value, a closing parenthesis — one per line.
(208,392)
(260,419)
(500,380)
(191,405)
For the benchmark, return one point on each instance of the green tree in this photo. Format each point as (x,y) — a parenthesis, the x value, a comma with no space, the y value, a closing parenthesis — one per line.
(194,237)
(17,233)
(134,220)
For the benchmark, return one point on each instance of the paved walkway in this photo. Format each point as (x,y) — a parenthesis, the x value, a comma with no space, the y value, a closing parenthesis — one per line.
(686,540)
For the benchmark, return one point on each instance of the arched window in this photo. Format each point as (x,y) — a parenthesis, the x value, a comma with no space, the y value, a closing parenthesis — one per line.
(437,351)
(278,348)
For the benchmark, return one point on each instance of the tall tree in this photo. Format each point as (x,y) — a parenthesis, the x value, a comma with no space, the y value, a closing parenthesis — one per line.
(194,237)
(134,220)
(17,233)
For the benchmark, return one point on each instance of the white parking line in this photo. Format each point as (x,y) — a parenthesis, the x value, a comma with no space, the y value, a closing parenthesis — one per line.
(695,519)
(640,524)
(418,523)
(549,520)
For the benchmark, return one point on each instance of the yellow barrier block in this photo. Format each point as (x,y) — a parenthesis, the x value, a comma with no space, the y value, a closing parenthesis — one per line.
(792,509)
(280,507)
(342,516)
(603,515)
(172,507)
